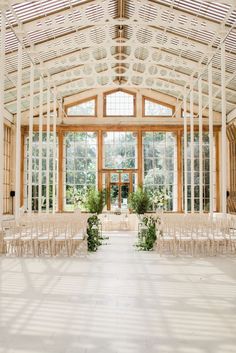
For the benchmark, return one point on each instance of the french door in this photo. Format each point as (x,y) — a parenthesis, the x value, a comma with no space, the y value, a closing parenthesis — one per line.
(119,193)
(119,185)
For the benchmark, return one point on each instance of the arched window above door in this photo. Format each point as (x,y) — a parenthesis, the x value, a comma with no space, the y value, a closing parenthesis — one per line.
(119,103)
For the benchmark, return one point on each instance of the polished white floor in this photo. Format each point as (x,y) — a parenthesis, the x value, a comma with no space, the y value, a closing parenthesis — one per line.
(118,300)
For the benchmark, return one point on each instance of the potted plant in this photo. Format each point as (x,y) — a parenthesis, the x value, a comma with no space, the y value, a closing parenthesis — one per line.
(93,202)
(94,233)
(147,234)
(139,201)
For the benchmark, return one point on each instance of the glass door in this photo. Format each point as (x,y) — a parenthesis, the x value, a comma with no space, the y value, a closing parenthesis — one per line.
(119,184)
(119,193)
(124,194)
(114,196)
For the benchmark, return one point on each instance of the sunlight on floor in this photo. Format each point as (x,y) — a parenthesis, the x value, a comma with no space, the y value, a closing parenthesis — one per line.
(118,300)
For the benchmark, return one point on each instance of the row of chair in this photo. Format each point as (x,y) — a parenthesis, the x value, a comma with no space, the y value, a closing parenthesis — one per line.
(196,235)
(44,235)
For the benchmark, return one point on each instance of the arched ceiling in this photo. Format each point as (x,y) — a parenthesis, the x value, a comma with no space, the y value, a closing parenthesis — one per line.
(160,44)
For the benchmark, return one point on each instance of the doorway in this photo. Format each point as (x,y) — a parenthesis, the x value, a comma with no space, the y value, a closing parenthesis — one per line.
(119,193)
(119,185)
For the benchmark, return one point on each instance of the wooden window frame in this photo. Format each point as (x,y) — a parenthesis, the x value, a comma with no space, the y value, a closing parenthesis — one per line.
(7,159)
(231,197)
(81,102)
(114,91)
(144,98)
(103,153)
(177,134)
(24,171)
(61,129)
(62,148)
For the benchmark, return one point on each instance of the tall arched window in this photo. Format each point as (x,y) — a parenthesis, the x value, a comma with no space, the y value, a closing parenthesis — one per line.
(35,171)
(80,168)
(205,172)
(160,165)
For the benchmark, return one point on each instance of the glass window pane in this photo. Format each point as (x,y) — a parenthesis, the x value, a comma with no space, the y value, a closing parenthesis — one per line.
(160,171)
(119,104)
(35,171)
(156,109)
(83,109)
(114,178)
(206,171)
(80,166)
(120,150)
(124,178)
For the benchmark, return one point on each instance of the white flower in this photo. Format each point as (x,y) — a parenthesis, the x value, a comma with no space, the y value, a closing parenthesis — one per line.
(159,198)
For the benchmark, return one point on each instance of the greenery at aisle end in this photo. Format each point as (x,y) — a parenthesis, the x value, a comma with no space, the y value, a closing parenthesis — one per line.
(93,202)
(139,201)
(147,234)
(94,233)
(142,200)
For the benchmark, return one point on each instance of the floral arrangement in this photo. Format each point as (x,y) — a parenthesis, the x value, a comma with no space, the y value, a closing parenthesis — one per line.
(159,198)
(80,198)
(148,232)
(94,233)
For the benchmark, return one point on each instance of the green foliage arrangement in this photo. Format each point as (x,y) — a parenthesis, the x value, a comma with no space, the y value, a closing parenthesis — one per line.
(147,234)
(139,201)
(94,233)
(93,200)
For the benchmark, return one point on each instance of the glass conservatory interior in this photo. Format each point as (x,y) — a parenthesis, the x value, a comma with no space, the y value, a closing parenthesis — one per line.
(116,99)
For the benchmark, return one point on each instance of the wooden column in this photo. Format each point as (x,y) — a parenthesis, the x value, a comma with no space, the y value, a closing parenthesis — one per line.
(185,153)
(40,143)
(31,126)
(179,168)
(18,134)
(54,151)
(200,144)
(231,133)
(108,192)
(99,158)
(211,137)
(2,81)
(192,147)
(217,166)
(22,167)
(139,104)
(48,146)
(99,105)
(60,170)
(140,157)
(223,135)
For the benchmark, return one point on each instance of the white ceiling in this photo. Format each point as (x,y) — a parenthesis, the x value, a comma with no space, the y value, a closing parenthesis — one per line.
(79,45)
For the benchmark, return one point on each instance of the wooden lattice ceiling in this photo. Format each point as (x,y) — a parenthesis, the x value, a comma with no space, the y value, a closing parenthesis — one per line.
(159,44)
